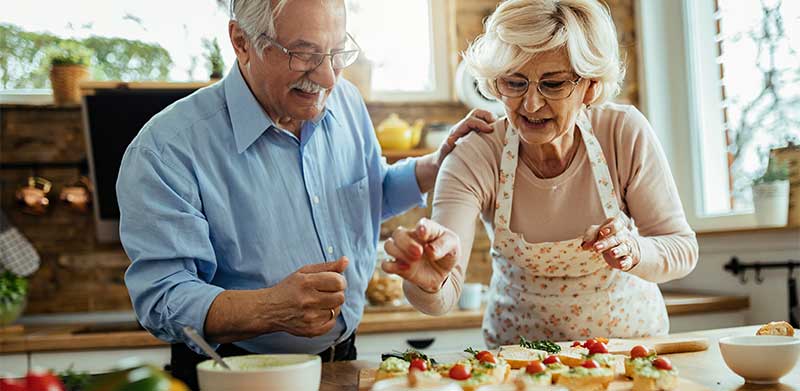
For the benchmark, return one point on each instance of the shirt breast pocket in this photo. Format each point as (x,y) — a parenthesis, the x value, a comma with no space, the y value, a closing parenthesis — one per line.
(354,212)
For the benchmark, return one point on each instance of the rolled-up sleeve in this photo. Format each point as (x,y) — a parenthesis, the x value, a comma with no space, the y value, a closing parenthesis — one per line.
(400,187)
(166,236)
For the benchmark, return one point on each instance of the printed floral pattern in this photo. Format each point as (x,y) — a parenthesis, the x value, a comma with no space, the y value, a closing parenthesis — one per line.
(557,290)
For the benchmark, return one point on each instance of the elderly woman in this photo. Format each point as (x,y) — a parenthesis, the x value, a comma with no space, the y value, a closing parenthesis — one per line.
(575,193)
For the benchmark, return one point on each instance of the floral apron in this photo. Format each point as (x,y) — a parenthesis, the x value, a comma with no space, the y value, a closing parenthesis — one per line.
(556,290)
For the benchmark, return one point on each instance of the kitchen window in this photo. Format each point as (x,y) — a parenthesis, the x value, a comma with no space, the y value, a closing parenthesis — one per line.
(408,52)
(705,64)
(406,48)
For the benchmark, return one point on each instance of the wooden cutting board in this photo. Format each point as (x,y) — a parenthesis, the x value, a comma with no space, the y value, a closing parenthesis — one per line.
(664,345)
(366,377)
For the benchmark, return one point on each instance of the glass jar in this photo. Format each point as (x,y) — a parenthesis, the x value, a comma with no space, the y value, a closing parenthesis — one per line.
(384,288)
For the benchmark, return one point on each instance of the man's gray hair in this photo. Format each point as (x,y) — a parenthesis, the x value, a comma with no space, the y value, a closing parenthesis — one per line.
(256,17)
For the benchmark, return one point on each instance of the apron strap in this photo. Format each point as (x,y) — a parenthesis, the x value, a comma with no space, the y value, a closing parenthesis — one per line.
(602,177)
(508,169)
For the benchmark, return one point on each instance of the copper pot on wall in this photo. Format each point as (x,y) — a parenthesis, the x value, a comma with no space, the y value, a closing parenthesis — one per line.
(33,197)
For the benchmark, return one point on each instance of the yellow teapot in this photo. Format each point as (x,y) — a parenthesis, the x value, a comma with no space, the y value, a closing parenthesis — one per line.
(395,134)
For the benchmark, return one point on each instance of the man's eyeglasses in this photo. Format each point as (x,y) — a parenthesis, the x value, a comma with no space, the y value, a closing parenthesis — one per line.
(555,89)
(302,61)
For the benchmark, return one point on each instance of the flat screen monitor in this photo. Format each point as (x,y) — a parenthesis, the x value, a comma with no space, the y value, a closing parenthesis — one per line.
(112,116)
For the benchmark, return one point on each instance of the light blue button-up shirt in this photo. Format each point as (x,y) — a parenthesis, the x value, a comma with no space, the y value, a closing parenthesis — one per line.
(214,196)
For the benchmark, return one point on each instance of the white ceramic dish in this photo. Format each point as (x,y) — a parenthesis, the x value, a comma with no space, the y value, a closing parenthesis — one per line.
(760,359)
(263,372)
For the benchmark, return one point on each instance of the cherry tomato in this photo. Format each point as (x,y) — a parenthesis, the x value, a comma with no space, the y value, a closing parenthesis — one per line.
(459,372)
(639,351)
(590,364)
(419,364)
(486,356)
(589,342)
(597,348)
(552,360)
(535,367)
(576,344)
(662,363)
(13,385)
(45,381)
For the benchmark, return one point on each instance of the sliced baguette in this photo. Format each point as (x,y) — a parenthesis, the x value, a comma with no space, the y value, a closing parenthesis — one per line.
(519,357)
(666,381)
(573,357)
(586,383)
(776,328)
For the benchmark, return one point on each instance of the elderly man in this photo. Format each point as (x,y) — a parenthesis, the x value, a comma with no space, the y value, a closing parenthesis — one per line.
(251,209)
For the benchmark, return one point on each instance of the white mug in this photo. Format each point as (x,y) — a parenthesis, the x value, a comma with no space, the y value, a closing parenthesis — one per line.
(471,296)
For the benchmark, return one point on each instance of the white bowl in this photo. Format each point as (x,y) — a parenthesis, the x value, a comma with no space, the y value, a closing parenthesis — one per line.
(760,359)
(263,372)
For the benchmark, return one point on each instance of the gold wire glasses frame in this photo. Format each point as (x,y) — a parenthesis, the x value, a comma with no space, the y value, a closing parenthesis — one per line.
(549,88)
(300,61)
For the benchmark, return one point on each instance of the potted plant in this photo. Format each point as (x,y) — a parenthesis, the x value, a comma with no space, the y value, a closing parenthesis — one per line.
(69,65)
(771,195)
(214,57)
(13,292)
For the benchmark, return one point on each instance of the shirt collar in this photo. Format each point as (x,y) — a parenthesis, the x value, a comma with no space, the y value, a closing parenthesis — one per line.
(248,118)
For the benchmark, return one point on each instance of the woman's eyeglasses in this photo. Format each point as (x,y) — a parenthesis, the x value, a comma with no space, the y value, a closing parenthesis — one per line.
(517,86)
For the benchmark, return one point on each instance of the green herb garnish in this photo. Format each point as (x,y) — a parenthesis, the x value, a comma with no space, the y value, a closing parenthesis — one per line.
(547,346)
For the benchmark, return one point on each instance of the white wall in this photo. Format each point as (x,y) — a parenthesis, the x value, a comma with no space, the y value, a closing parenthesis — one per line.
(768,300)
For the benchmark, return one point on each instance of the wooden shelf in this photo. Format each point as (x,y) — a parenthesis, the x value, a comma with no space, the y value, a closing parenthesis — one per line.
(394,155)
(754,230)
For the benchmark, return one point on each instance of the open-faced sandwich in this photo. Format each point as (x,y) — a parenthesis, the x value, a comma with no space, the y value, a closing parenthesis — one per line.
(398,364)
(589,376)
(485,361)
(776,328)
(416,380)
(518,356)
(639,356)
(467,375)
(554,366)
(599,352)
(535,373)
(657,375)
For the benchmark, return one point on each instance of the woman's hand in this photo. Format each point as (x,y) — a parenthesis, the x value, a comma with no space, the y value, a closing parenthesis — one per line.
(615,241)
(423,256)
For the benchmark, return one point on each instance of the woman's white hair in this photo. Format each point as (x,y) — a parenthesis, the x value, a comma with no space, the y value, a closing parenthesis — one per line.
(256,17)
(520,29)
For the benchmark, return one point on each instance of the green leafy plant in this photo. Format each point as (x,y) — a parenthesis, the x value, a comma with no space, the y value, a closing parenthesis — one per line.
(13,288)
(69,52)
(214,57)
(776,171)
(75,380)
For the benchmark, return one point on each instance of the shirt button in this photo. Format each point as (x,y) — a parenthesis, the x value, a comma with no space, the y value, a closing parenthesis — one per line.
(316,200)
(330,249)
